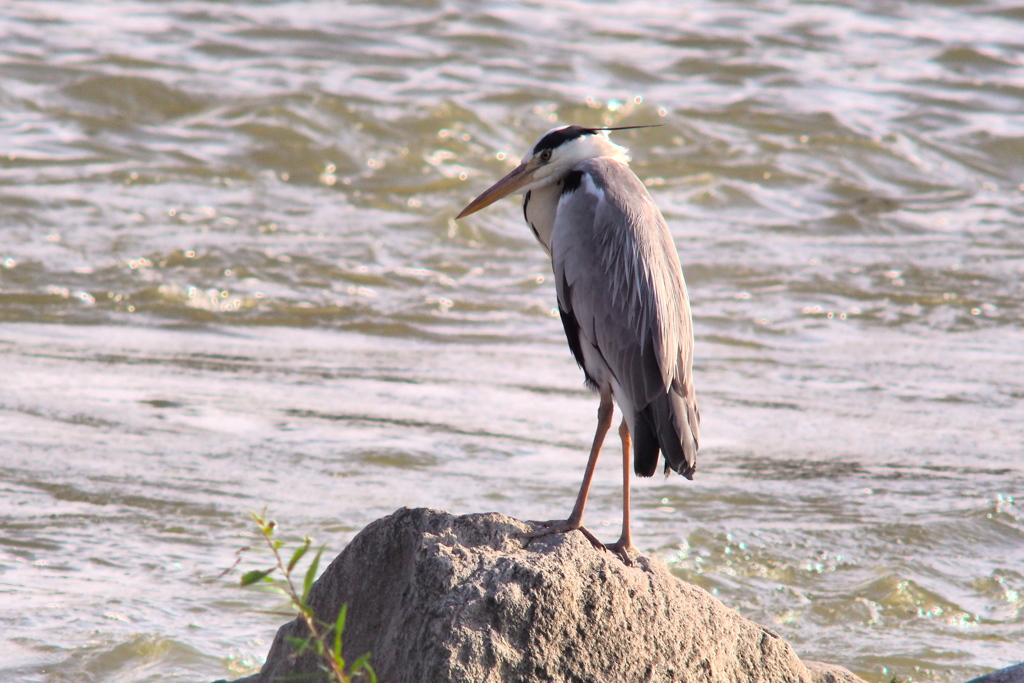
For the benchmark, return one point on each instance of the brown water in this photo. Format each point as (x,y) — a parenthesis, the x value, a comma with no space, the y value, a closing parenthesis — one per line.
(230,278)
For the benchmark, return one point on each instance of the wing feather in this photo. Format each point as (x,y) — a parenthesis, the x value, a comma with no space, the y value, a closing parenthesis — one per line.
(618,276)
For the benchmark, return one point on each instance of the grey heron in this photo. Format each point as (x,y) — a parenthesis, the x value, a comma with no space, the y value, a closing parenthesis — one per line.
(622,300)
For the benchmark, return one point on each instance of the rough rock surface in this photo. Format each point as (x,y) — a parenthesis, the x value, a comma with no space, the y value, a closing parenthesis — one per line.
(438,598)
(1011,674)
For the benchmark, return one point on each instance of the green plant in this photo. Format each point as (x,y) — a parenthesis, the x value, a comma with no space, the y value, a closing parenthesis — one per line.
(324,639)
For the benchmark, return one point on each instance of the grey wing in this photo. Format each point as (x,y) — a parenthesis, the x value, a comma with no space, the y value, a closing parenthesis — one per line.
(621,292)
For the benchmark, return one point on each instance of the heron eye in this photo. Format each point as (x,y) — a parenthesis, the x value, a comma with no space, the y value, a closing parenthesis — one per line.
(545,155)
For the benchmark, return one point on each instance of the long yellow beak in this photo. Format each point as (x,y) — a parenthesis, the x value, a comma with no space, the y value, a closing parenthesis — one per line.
(514,181)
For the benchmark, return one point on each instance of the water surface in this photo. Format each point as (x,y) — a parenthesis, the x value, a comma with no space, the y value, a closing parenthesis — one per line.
(230,278)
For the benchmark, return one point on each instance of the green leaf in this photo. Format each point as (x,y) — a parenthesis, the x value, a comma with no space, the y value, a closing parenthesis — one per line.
(299,644)
(363,664)
(266,526)
(310,575)
(255,575)
(283,592)
(298,555)
(339,628)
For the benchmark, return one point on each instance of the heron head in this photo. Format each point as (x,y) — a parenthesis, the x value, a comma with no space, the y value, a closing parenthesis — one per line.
(549,159)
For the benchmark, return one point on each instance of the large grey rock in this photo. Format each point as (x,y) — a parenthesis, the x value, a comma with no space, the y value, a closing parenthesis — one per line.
(438,598)
(1011,674)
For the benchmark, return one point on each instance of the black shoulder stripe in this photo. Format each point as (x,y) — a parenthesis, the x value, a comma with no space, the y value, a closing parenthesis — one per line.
(571,182)
(559,137)
(572,335)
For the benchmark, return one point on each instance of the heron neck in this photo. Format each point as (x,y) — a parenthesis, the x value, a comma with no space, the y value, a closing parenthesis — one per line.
(539,207)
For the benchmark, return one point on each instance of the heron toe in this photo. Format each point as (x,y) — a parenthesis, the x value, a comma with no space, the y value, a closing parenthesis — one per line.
(622,550)
(561,526)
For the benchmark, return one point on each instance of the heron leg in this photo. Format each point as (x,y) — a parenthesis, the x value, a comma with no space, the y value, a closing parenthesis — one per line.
(575,521)
(622,546)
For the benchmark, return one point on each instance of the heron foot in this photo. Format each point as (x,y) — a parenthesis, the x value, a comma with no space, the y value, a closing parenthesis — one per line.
(622,549)
(561,526)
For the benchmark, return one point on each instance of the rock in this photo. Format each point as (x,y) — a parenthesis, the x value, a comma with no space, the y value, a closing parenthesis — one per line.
(828,673)
(1011,674)
(438,598)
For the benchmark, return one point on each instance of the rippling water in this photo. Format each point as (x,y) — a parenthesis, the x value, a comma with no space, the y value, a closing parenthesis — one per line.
(230,277)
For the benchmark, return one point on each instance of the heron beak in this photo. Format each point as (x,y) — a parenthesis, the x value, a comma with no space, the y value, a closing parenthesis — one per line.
(513,182)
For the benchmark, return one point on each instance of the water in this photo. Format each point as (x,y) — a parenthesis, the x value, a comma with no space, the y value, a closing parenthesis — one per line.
(230,279)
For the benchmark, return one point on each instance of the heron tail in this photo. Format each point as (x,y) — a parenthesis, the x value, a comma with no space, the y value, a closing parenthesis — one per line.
(667,424)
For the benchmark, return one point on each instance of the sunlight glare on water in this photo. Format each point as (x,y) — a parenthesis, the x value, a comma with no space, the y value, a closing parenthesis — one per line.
(230,278)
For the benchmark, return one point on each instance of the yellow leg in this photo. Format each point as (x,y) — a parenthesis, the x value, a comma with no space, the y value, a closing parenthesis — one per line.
(575,521)
(625,543)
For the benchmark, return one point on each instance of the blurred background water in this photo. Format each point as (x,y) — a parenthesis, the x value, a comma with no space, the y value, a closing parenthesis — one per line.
(230,278)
